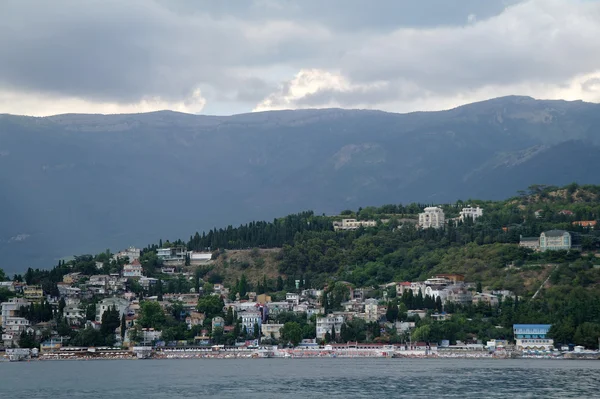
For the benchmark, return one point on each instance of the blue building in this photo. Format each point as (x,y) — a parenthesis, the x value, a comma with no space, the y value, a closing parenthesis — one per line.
(533,337)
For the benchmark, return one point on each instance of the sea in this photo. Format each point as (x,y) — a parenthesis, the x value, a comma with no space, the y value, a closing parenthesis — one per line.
(301,378)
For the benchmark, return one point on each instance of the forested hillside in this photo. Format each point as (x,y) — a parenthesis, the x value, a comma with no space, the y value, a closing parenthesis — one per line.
(269,257)
(83,183)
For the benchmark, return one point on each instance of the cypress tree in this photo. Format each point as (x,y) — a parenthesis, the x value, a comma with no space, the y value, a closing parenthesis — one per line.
(123,327)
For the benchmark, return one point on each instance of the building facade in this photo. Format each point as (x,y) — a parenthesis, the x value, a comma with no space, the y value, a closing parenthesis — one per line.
(532,336)
(353,224)
(250,319)
(133,270)
(432,217)
(121,304)
(327,323)
(470,212)
(555,240)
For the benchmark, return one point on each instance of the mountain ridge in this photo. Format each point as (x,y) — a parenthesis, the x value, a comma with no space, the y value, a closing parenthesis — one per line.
(81,183)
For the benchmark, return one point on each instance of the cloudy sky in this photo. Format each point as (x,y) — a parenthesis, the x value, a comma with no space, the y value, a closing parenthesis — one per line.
(225,56)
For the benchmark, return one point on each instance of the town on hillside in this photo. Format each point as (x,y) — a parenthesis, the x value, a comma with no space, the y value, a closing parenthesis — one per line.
(517,278)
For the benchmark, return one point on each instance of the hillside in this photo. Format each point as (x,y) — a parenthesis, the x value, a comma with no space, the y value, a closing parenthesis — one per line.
(84,183)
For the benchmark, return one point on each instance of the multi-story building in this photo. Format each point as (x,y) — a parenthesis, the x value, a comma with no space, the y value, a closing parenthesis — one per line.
(432,217)
(133,270)
(530,242)
(271,330)
(327,323)
(370,310)
(278,307)
(74,314)
(33,293)
(251,318)
(173,255)
(555,240)
(292,298)
(489,299)
(532,336)
(11,308)
(121,304)
(13,327)
(218,322)
(132,253)
(470,212)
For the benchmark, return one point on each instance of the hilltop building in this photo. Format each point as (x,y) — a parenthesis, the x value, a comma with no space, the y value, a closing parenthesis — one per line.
(470,212)
(432,217)
(555,240)
(353,224)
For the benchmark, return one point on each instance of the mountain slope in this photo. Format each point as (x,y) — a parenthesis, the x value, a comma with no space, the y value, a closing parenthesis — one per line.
(83,183)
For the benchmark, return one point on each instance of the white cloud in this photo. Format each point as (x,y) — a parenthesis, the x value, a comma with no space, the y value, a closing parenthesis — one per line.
(39,104)
(309,82)
(541,48)
(152,52)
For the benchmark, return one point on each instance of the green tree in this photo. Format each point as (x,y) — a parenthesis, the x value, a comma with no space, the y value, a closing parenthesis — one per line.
(110,322)
(392,312)
(211,306)
(27,340)
(217,336)
(229,316)
(123,327)
(61,306)
(291,332)
(151,315)
(90,312)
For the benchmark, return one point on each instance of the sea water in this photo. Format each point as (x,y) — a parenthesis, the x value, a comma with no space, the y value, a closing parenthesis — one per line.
(301,378)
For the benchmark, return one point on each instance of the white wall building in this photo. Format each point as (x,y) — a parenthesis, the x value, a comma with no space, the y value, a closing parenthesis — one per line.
(371,310)
(470,212)
(133,270)
(271,330)
(11,308)
(249,319)
(353,224)
(132,253)
(432,217)
(292,297)
(326,323)
(121,304)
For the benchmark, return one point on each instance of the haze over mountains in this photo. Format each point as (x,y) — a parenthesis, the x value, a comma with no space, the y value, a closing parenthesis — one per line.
(76,184)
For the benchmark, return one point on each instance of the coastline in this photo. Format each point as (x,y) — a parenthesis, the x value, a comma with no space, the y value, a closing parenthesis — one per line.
(296,354)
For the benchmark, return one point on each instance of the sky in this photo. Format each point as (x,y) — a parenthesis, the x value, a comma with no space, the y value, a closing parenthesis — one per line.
(226,57)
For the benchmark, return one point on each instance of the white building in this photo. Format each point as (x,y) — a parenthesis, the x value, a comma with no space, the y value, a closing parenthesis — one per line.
(174,255)
(432,217)
(249,319)
(470,212)
(292,298)
(353,224)
(198,258)
(271,330)
(13,327)
(132,253)
(555,240)
(11,308)
(74,314)
(121,304)
(133,270)
(327,323)
(371,310)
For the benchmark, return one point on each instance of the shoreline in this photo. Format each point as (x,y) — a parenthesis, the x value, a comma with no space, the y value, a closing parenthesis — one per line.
(253,356)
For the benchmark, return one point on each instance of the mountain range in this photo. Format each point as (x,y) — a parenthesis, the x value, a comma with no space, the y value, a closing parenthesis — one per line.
(74,183)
